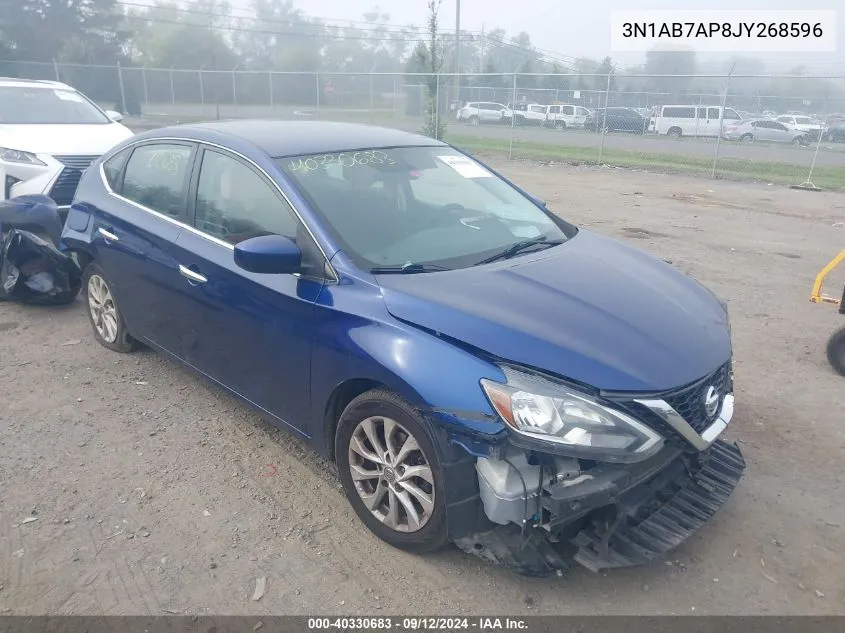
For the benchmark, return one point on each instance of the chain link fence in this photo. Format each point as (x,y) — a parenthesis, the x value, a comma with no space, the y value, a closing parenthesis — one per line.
(703,124)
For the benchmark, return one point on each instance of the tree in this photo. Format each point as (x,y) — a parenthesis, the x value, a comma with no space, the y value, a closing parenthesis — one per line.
(39,30)
(680,63)
(433,125)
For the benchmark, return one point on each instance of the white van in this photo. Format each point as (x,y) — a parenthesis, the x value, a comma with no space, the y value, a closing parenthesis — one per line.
(690,120)
(564,115)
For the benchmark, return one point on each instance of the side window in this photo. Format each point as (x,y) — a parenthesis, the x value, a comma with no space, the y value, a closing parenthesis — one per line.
(781,127)
(581,111)
(113,168)
(713,114)
(568,110)
(234,203)
(732,115)
(554,109)
(157,177)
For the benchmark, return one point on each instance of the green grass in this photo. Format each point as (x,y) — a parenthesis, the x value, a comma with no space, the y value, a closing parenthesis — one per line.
(766,171)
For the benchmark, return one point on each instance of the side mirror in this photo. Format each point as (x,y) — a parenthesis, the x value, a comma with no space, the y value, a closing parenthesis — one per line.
(269,254)
(114,115)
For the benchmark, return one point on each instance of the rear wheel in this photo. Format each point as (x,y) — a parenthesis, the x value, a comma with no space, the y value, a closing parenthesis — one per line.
(674,131)
(746,138)
(474,120)
(798,141)
(836,351)
(103,312)
(390,471)
(561,125)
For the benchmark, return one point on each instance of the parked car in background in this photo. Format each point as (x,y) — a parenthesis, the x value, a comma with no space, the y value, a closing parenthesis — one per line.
(528,113)
(563,115)
(765,130)
(49,134)
(835,132)
(481,370)
(477,112)
(802,123)
(770,114)
(617,120)
(690,120)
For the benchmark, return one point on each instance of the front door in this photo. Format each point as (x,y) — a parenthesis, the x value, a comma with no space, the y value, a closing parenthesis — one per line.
(250,332)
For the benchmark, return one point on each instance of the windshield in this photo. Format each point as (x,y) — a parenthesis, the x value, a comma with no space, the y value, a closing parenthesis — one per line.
(803,120)
(31,105)
(421,205)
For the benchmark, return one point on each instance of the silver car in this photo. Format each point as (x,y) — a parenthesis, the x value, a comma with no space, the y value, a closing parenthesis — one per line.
(764,130)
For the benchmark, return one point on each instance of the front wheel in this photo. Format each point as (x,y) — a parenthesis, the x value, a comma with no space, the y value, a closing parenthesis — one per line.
(675,131)
(103,312)
(746,138)
(561,125)
(836,351)
(391,472)
(798,142)
(474,120)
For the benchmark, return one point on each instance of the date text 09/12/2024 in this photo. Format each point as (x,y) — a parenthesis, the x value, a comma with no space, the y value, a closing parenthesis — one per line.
(418,624)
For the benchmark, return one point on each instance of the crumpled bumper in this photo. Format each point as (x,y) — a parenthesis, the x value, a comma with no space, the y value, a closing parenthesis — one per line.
(621,516)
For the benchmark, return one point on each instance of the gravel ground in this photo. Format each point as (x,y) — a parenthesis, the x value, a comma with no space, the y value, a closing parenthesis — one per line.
(153,492)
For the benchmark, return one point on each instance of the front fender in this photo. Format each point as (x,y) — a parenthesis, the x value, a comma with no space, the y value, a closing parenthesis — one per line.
(434,375)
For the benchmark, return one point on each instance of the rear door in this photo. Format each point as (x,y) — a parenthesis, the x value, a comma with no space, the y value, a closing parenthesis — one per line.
(134,238)
(250,332)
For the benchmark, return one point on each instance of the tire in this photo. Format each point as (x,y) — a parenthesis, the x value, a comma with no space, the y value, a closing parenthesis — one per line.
(798,142)
(674,131)
(746,138)
(561,125)
(378,407)
(110,332)
(836,351)
(474,120)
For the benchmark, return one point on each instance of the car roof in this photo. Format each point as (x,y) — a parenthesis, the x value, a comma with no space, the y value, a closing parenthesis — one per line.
(13,82)
(295,138)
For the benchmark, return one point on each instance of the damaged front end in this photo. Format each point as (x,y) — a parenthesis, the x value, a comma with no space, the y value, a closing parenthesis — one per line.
(543,505)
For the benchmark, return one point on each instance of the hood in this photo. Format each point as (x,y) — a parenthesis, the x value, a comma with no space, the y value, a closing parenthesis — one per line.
(593,310)
(70,139)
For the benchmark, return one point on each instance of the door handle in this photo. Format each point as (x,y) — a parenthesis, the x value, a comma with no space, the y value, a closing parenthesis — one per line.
(108,235)
(192,276)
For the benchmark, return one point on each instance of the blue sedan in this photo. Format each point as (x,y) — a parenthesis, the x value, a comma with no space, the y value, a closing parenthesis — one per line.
(482,371)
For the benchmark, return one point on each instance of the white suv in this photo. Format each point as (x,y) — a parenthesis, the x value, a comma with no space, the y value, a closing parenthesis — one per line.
(564,116)
(478,112)
(49,134)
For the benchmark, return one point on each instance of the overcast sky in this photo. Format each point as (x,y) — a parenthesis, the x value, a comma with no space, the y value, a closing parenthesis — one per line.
(569,27)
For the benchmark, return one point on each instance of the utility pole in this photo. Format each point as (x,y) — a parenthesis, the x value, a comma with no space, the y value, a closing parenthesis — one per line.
(457,52)
(481,70)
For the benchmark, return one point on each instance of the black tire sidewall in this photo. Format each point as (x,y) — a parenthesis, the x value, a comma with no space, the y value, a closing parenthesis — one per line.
(434,534)
(124,343)
(836,351)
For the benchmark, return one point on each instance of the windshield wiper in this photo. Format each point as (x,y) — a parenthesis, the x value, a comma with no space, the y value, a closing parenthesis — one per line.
(407,269)
(515,249)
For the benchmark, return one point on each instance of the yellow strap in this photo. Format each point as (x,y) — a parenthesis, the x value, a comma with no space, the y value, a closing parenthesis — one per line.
(817,296)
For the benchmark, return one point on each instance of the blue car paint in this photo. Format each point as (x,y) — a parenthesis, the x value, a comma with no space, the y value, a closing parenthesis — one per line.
(399,331)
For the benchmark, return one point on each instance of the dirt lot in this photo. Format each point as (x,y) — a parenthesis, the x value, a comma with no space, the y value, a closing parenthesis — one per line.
(156,493)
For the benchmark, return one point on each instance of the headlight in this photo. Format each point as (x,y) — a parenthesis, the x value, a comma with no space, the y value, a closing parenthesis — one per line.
(574,422)
(17,156)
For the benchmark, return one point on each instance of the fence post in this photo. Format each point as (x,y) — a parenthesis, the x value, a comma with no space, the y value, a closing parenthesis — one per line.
(317,77)
(122,91)
(604,116)
(436,108)
(809,182)
(513,118)
(372,114)
(270,78)
(172,89)
(202,91)
(235,90)
(56,68)
(395,95)
(721,121)
(144,79)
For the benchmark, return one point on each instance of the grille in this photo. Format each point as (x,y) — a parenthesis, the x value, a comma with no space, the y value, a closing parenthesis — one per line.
(689,401)
(65,186)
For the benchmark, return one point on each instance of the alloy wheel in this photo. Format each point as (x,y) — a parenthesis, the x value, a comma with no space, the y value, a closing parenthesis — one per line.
(391,474)
(102,307)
